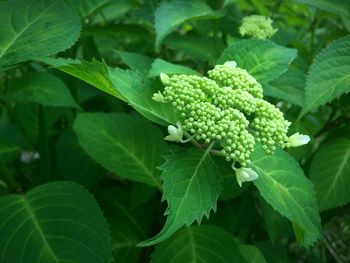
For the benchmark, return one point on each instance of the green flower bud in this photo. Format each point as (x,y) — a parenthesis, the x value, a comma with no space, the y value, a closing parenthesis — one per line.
(256,26)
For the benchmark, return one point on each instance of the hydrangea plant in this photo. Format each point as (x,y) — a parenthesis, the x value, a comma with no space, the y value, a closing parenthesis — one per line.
(257,26)
(227,107)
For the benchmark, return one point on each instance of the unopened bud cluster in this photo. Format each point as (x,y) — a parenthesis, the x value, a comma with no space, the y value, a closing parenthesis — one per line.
(227,107)
(257,26)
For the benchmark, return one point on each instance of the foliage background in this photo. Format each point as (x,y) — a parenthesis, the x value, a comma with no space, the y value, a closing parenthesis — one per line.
(76,82)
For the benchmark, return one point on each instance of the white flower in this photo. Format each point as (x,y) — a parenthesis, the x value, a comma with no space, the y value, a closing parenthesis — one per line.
(29,156)
(231,63)
(164,78)
(245,175)
(158,97)
(175,133)
(297,139)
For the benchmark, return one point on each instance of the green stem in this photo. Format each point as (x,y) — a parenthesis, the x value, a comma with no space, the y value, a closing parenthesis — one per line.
(312,37)
(43,144)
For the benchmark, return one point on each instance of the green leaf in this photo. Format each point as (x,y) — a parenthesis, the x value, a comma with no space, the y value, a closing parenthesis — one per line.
(8,151)
(289,87)
(338,7)
(273,252)
(263,59)
(87,7)
(128,225)
(283,185)
(27,116)
(346,21)
(191,183)
(74,164)
(170,14)
(126,145)
(135,61)
(230,187)
(329,75)
(32,28)
(114,9)
(196,46)
(159,66)
(252,254)
(55,222)
(139,95)
(276,225)
(94,73)
(42,88)
(329,171)
(198,244)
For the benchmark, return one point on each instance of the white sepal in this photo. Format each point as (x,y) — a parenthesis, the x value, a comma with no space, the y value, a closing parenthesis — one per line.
(232,64)
(245,175)
(175,133)
(297,139)
(158,97)
(164,78)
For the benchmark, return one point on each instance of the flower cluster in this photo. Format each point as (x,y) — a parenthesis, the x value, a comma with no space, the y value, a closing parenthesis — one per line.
(227,107)
(256,26)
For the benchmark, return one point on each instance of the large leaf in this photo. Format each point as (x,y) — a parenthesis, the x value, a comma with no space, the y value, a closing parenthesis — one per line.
(139,95)
(55,222)
(276,225)
(128,225)
(159,66)
(126,145)
(338,7)
(87,7)
(263,59)
(123,84)
(94,73)
(329,75)
(74,164)
(195,46)
(135,61)
(283,185)
(8,151)
(330,172)
(32,28)
(170,14)
(191,183)
(199,244)
(42,88)
(252,254)
(289,87)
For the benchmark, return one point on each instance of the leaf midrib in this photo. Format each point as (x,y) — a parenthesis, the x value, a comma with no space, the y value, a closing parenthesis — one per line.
(39,229)
(206,153)
(134,157)
(287,192)
(337,175)
(24,29)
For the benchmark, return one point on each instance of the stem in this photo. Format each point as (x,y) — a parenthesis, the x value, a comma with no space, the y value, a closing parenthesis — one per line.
(43,144)
(313,30)
(188,139)
(210,147)
(193,141)
(218,153)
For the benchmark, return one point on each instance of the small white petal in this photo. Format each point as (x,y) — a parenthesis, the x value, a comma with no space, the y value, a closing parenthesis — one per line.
(158,97)
(245,175)
(231,63)
(164,78)
(175,133)
(172,130)
(297,139)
